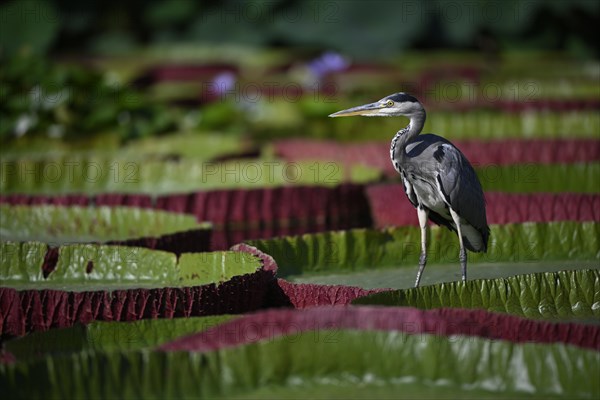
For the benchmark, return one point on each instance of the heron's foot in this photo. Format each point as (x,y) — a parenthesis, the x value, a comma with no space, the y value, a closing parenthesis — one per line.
(422,263)
(463,264)
(418,279)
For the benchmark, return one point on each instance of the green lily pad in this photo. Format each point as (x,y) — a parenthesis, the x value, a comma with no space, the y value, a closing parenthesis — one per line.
(101,335)
(388,258)
(552,295)
(205,146)
(325,364)
(477,124)
(104,175)
(93,175)
(532,178)
(404,277)
(58,225)
(363,249)
(87,267)
(202,146)
(22,262)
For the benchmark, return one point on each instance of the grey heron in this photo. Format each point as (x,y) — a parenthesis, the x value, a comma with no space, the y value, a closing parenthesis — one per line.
(438,179)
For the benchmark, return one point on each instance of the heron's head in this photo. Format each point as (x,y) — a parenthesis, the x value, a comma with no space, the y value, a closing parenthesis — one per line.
(397,104)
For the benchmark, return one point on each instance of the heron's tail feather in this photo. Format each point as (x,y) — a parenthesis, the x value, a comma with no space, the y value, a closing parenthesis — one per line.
(474,239)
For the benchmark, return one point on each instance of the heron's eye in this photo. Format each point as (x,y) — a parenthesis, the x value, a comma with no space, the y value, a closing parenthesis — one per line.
(389,103)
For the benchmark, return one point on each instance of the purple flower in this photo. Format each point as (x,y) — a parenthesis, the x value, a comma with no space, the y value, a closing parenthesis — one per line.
(221,84)
(327,63)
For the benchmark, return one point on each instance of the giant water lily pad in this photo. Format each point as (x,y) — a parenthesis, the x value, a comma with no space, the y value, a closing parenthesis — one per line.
(325,363)
(388,258)
(404,277)
(101,335)
(236,215)
(288,331)
(91,282)
(203,146)
(501,207)
(531,178)
(57,225)
(553,295)
(488,155)
(85,267)
(527,246)
(97,174)
(476,124)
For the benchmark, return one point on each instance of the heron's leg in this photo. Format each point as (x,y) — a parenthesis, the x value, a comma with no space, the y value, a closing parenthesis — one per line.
(422,213)
(462,255)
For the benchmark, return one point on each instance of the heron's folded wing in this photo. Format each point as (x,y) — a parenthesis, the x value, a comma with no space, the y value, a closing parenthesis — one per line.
(461,187)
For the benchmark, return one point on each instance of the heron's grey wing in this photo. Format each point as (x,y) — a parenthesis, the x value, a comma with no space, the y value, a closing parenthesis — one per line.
(408,189)
(461,187)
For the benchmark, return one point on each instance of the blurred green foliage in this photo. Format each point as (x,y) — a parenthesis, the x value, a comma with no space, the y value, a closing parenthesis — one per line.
(64,100)
(117,27)
(117,97)
(30,26)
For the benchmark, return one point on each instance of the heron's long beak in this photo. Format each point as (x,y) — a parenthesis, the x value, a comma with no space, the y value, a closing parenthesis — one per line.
(365,110)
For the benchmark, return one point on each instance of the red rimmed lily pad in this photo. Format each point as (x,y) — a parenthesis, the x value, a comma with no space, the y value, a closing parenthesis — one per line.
(115,283)
(268,325)
(128,226)
(238,215)
(480,153)
(331,363)
(501,208)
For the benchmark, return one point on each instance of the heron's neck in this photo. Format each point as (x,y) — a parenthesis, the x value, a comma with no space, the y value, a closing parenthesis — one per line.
(406,134)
